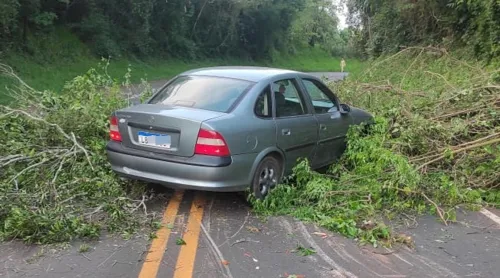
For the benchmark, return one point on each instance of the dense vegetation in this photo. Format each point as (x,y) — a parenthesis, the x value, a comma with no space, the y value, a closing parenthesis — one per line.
(389,25)
(181,28)
(255,28)
(50,42)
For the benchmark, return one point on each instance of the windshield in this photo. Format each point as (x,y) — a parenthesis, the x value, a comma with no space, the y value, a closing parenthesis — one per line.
(202,92)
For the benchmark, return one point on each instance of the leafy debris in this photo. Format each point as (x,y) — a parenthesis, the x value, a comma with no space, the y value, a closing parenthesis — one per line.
(304,251)
(180,241)
(55,180)
(434,144)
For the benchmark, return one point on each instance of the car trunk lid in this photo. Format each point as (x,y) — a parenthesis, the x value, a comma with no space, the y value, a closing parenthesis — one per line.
(162,129)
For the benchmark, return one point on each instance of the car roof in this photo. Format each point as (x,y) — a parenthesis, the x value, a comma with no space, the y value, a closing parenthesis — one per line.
(254,74)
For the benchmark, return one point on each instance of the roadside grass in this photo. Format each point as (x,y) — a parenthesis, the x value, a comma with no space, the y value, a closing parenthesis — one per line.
(315,59)
(61,56)
(54,75)
(435,145)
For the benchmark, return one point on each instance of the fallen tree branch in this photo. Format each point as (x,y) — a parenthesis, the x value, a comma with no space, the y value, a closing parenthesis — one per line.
(142,204)
(27,169)
(457,113)
(456,147)
(335,192)
(9,72)
(390,87)
(408,69)
(90,214)
(459,151)
(438,209)
(73,197)
(443,78)
(67,136)
(83,149)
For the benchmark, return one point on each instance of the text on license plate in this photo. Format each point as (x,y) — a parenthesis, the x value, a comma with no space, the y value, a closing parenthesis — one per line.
(154,139)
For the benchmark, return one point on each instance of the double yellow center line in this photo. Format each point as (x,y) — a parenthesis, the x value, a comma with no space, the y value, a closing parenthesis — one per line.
(187,255)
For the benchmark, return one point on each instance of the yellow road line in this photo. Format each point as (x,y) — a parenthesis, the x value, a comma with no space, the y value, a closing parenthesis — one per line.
(157,248)
(185,261)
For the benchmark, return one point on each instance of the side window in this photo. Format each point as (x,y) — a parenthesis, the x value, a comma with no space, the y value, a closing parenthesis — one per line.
(263,106)
(289,102)
(322,101)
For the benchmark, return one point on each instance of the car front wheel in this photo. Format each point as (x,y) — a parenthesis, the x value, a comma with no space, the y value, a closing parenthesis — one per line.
(266,177)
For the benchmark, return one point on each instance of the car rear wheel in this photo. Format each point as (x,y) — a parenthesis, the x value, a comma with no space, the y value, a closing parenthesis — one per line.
(266,177)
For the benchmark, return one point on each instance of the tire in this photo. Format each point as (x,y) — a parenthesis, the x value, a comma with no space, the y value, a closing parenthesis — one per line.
(266,177)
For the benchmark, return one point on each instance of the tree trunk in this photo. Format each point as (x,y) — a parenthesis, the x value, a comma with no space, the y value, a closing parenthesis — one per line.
(25,29)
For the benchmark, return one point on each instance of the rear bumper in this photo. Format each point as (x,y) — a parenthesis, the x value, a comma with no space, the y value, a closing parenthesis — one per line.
(196,173)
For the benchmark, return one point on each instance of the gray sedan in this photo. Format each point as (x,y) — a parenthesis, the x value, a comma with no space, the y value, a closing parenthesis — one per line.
(229,129)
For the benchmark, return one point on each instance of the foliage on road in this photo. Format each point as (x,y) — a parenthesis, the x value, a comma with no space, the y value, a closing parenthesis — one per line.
(435,144)
(55,181)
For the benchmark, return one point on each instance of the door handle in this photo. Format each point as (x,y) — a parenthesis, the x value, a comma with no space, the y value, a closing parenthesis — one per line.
(286,131)
(322,127)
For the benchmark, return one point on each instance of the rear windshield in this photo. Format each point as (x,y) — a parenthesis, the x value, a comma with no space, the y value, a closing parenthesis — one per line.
(208,93)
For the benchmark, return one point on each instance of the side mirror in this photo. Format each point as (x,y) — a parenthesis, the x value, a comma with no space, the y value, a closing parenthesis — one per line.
(344,108)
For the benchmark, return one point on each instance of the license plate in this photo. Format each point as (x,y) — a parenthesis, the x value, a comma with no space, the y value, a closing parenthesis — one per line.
(154,139)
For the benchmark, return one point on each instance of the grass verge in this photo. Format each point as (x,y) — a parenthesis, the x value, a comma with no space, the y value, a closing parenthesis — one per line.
(435,145)
(61,56)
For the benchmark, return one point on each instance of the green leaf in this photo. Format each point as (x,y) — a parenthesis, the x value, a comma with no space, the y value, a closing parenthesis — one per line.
(180,241)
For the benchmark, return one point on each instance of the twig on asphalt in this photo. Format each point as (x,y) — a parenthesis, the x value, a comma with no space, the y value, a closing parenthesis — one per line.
(109,257)
(382,253)
(117,262)
(85,256)
(142,204)
(244,240)
(209,213)
(438,209)
(216,249)
(237,232)
(89,214)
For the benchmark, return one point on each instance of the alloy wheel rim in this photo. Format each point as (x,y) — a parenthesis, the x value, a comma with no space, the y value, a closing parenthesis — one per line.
(267,179)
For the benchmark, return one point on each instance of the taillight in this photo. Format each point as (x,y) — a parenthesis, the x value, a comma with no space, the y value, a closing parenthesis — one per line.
(211,143)
(114,133)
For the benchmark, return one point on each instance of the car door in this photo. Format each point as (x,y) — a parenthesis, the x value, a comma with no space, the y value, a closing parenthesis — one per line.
(296,126)
(333,125)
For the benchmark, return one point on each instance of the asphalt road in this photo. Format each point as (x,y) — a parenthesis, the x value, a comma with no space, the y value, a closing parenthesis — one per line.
(224,239)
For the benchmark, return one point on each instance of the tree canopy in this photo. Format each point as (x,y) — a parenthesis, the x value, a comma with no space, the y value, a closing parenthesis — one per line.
(184,28)
(388,25)
(255,28)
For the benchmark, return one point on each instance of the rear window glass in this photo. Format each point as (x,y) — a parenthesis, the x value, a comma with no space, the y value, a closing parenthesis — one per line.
(202,92)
